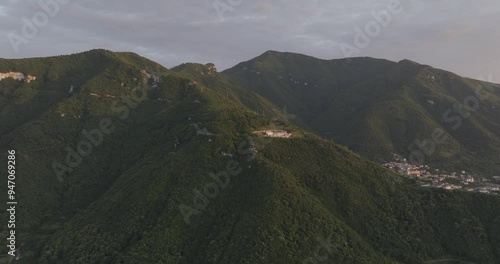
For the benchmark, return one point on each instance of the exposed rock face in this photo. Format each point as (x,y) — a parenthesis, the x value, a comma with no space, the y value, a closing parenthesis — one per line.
(146,76)
(17,76)
(212,69)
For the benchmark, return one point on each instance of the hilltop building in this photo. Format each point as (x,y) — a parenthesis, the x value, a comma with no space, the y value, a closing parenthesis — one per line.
(273,133)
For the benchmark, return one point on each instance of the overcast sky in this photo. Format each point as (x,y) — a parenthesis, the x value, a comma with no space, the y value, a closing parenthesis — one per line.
(457,35)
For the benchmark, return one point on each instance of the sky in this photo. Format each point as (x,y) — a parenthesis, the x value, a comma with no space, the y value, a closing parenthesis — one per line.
(461,36)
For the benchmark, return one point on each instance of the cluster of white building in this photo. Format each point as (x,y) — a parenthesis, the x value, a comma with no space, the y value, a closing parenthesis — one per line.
(273,133)
(17,76)
(436,179)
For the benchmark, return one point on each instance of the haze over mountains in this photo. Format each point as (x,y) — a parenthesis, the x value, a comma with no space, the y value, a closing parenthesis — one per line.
(173,173)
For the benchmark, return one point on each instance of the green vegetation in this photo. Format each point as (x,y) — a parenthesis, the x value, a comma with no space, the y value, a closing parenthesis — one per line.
(378,108)
(121,203)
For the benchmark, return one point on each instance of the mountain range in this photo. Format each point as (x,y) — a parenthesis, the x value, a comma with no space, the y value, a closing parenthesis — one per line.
(379,108)
(121,160)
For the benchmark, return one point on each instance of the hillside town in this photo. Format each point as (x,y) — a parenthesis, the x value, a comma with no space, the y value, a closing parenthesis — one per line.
(435,178)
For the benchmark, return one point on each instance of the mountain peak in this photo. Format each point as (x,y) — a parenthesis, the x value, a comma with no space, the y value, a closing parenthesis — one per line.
(272,52)
(407,61)
(102,52)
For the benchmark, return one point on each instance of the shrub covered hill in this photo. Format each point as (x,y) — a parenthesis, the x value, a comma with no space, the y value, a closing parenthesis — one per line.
(120,160)
(379,108)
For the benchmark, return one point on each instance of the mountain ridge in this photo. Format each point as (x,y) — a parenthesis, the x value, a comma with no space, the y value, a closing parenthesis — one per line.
(128,200)
(319,91)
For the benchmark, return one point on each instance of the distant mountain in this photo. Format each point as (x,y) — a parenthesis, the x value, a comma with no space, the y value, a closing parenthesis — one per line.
(380,108)
(120,160)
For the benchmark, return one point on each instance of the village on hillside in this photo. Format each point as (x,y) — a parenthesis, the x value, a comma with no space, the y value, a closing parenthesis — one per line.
(435,178)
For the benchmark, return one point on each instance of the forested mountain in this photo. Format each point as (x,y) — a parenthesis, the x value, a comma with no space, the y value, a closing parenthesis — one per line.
(379,108)
(120,160)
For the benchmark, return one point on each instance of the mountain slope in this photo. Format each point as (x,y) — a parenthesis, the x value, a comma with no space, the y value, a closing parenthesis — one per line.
(207,76)
(378,107)
(181,178)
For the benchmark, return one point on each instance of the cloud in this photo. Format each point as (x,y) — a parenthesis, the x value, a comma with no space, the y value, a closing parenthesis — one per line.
(456,35)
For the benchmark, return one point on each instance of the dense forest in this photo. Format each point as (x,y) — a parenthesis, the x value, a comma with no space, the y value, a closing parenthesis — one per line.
(178,176)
